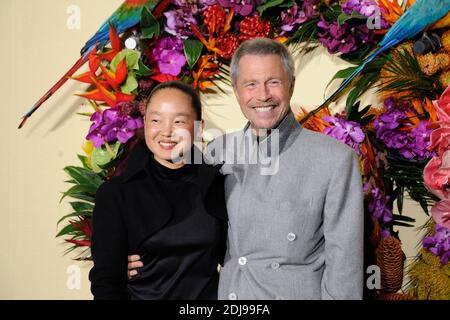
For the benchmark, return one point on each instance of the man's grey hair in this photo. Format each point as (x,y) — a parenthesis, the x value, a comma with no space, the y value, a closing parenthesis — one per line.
(263,47)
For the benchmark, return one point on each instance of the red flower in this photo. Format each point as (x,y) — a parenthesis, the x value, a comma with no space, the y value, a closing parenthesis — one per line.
(254,27)
(214,18)
(227,44)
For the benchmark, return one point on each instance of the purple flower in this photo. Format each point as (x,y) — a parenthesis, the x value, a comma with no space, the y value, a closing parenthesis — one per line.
(290,18)
(241,7)
(439,243)
(348,132)
(171,62)
(310,8)
(193,4)
(169,55)
(394,130)
(111,125)
(179,21)
(378,204)
(345,38)
(366,8)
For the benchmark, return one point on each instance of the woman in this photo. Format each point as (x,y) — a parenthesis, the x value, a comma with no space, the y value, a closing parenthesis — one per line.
(163,207)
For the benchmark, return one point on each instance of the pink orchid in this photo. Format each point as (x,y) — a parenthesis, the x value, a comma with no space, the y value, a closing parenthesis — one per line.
(437,175)
(440,139)
(442,106)
(441,213)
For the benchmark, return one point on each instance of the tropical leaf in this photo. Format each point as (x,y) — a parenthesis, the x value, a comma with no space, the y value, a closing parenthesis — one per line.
(405,75)
(149,25)
(192,51)
(361,86)
(75,214)
(66,230)
(81,206)
(87,179)
(271,4)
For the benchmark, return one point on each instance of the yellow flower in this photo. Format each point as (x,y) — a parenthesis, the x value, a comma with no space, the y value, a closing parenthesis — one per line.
(88,147)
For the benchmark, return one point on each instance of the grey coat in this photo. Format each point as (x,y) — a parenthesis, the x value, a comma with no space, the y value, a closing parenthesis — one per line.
(295,225)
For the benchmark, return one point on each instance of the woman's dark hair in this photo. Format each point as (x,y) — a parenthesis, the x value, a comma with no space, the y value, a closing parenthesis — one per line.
(183,87)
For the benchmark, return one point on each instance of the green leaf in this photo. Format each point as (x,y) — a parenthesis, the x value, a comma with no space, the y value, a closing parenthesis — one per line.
(74,214)
(359,88)
(400,191)
(192,51)
(424,206)
(83,160)
(82,206)
(79,190)
(82,196)
(130,84)
(66,230)
(84,177)
(143,70)
(132,59)
(342,18)
(345,17)
(102,157)
(269,4)
(398,217)
(345,73)
(149,25)
(405,75)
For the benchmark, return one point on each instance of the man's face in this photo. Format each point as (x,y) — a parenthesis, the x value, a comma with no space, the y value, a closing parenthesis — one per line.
(263,90)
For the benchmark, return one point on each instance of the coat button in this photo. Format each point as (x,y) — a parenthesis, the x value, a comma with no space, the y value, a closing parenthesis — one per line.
(232,296)
(275,265)
(291,236)
(242,261)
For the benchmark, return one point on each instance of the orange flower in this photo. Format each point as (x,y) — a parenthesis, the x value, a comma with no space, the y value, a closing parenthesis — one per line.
(216,28)
(391,10)
(206,71)
(108,82)
(107,88)
(315,122)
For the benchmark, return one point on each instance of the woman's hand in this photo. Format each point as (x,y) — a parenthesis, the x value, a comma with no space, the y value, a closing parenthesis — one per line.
(134,262)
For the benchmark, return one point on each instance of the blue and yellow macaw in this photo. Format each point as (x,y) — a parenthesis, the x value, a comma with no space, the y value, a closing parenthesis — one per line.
(422,14)
(125,17)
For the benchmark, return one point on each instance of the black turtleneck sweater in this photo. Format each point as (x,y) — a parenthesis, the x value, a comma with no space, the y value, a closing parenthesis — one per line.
(184,240)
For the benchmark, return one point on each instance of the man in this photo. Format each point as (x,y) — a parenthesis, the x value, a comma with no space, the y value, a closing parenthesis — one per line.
(294,197)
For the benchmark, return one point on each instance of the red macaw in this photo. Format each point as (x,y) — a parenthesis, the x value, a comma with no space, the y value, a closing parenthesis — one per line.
(125,17)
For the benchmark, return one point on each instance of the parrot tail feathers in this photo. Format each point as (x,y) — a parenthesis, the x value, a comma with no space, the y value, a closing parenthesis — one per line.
(80,62)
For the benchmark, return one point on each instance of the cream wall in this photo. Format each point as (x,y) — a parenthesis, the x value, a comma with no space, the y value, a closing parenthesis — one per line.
(37,49)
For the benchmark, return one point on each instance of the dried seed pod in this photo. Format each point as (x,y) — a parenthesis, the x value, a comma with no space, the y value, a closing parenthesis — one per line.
(389,256)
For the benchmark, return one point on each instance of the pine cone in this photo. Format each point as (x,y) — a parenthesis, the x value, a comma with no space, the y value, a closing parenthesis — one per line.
(390,260)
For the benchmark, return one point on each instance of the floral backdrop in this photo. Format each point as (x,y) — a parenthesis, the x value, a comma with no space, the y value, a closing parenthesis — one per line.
(403,142)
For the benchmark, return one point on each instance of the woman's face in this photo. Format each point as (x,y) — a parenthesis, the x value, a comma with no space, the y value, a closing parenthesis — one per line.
(169,126)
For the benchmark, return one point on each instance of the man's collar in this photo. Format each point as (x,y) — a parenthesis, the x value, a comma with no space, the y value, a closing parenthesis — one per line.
(285,129)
